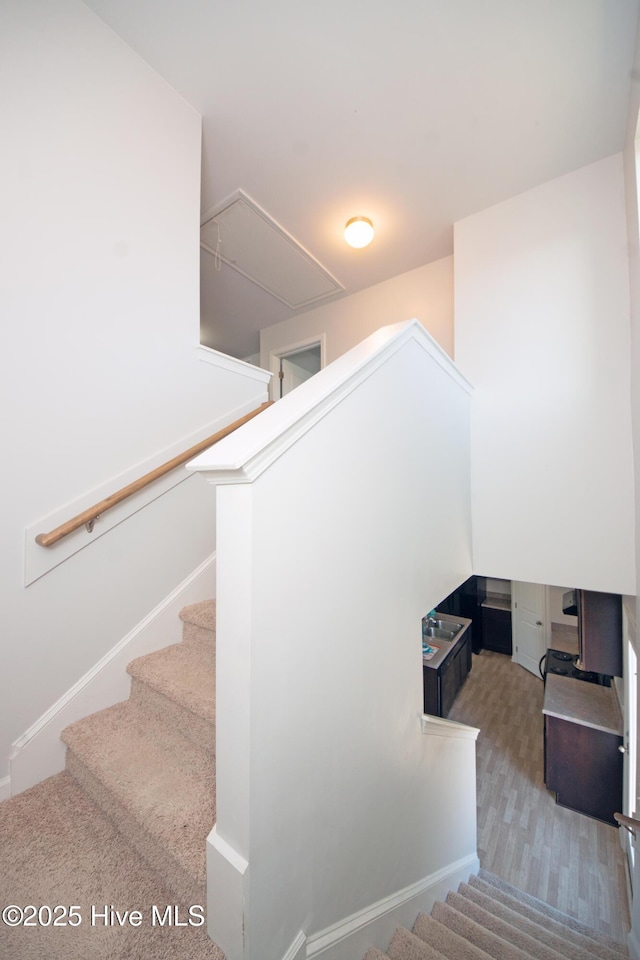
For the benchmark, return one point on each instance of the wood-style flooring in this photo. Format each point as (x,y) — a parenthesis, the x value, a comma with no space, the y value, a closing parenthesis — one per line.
(569,860)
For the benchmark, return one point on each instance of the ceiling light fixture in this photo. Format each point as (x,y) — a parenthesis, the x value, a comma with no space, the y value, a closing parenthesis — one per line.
(358,232)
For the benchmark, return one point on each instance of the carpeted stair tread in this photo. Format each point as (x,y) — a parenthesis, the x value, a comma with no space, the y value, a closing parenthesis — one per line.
(57,847)
(181,673)
(154,782)
(517,907)
(451,945)
(406,946)
(177,685)
(487,938)
(201,614)
(551,912)
(374,954)
(532,939)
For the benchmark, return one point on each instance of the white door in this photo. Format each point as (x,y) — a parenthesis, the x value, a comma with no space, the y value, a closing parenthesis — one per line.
(529,619)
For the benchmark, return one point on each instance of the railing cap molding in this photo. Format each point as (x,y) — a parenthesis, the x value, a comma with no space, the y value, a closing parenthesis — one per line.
(441,727)
(242,457)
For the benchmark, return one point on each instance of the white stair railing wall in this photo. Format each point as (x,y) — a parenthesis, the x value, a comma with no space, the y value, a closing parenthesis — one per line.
(343,516)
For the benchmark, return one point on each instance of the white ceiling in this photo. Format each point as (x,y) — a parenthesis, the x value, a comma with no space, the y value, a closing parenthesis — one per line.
(415,113)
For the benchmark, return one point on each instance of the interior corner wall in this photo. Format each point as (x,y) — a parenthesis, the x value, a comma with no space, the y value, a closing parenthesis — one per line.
(542,332)
(425,293)
(631,158)
(99,298)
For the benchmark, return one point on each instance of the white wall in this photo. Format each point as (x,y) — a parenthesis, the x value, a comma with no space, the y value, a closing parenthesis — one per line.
(327,562)
(99,247)
(542,332)
(631,160)
(425,293)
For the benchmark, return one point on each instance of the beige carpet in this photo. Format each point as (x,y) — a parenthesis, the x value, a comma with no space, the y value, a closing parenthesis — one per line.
(56,847)
(488,918)
(124,828)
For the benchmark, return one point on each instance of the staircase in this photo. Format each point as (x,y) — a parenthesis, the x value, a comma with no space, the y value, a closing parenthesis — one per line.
(149,763)
(489,918)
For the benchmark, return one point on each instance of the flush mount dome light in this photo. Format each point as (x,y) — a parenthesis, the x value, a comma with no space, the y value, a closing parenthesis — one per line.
(358,232)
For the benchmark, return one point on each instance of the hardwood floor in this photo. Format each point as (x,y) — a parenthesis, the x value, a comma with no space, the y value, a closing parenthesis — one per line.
(569,860)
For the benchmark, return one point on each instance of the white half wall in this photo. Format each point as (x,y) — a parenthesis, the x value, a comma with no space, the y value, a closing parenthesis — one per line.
(542,332)
(425,293)
(99,368)
(343,517)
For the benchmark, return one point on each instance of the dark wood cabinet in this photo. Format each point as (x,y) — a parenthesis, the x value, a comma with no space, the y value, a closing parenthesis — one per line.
(465,602)
(442,683)
(496,629)
(583,767)
(600,632)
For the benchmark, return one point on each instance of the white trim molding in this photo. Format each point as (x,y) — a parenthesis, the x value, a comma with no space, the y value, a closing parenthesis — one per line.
(39,752)
(40,560)
(241,459)
(441,727)
(5,788)
(292,348)
(298,948)
(375,924)
(241,367)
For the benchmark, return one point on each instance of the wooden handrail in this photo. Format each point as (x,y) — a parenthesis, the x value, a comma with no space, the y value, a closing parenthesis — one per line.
(88,517)
(629,823)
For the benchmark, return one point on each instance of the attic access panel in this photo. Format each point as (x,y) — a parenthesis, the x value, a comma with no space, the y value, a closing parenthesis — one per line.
(258,248)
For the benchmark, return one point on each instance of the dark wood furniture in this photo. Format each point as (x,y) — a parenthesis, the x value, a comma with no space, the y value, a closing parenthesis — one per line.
(465,601)
(583,767)
(600,632)
(496,626)
(442,683)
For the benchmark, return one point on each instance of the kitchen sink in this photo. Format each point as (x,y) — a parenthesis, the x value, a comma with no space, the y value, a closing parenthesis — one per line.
(449,625)
(437,633)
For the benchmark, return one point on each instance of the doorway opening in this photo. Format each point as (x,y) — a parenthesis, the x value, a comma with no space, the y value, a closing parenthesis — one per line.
(293,366)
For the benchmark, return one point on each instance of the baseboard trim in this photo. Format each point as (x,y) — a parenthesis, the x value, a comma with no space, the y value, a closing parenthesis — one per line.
(374,925)
(5,788)
(297,949)
(39,752)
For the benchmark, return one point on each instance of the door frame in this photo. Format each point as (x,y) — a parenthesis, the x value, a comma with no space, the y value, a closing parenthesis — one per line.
(275,356)
(515,618)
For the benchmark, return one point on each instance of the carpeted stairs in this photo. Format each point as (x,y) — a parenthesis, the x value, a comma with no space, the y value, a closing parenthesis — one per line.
(125,826)
(489,918)
(149,763)
(140,775)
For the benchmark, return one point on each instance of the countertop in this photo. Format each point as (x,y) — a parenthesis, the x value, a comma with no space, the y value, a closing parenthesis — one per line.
(445,646)
(497,601)
(564,638)
(585,703)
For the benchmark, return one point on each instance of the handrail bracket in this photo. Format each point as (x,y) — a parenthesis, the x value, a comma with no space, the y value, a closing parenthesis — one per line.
(629,823)
(88,517)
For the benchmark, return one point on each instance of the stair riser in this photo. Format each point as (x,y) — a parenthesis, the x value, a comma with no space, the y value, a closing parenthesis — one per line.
(182,885)
(552,912)
(196,729)
(192,633)
(514,911)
